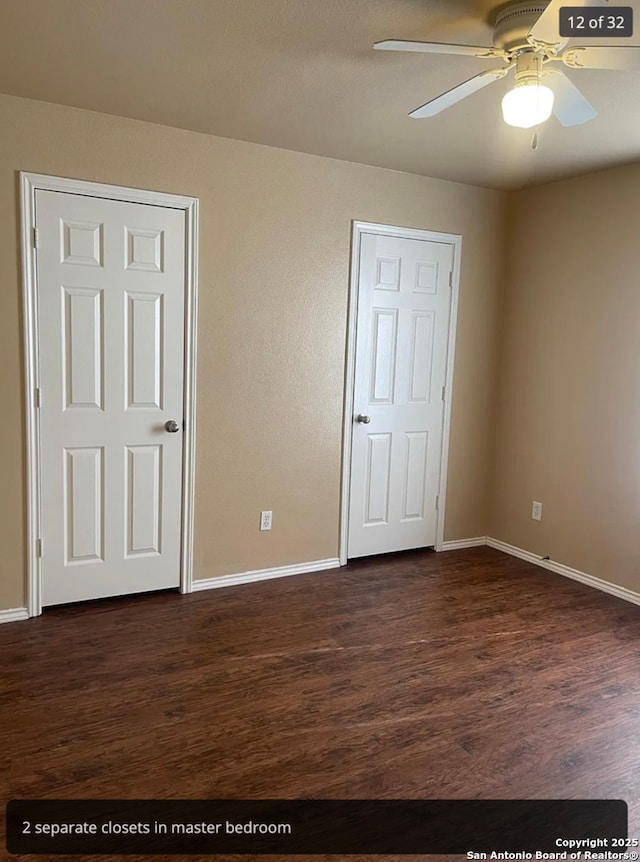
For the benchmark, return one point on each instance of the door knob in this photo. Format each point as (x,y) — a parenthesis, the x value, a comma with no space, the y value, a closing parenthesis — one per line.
(364,420)
(171,426)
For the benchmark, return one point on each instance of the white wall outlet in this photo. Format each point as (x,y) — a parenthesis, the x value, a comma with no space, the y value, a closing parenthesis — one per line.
(265,520)
(536,511)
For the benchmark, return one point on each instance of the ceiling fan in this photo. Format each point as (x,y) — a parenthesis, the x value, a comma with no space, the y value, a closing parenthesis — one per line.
(527,39)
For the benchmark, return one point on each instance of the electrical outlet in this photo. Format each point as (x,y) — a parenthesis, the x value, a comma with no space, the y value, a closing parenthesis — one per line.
(536,511)
(265,520)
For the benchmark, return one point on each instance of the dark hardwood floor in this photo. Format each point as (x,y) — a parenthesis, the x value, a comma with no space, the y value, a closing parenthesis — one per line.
(467,674)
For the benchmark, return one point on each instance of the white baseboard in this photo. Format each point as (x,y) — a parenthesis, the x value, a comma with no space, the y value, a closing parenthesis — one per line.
(550,565)
(16,614)
(567,572)
(264,574)
(459,544)
(13,615)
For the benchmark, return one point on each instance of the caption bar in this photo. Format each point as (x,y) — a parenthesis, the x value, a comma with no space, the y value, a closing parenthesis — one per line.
(316,826)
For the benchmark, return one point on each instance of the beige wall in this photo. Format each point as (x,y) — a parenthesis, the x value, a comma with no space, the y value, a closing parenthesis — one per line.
(274,267)
(568,431)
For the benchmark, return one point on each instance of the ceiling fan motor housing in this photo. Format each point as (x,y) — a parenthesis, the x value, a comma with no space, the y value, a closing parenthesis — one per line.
(513,23)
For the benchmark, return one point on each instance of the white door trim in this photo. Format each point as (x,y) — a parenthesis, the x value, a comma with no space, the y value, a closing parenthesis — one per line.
(29,184)
(359,228)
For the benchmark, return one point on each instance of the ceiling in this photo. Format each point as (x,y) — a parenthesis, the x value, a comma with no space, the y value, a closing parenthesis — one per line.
(301,74)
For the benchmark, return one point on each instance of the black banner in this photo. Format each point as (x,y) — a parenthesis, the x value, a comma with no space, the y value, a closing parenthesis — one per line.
(119,827)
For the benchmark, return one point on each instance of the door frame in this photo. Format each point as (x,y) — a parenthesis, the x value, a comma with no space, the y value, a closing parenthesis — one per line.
(455,240)
(30,183)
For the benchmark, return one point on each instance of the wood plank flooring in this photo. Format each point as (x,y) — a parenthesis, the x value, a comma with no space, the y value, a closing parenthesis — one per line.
(467,674)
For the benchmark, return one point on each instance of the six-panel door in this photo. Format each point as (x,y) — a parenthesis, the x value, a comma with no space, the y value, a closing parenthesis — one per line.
(404,301)
(111,281)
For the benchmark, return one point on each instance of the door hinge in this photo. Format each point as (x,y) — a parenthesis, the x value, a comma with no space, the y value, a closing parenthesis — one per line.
(38,547)
(437,501)
(443,391)
(36,396)
(36,238)
(451,279)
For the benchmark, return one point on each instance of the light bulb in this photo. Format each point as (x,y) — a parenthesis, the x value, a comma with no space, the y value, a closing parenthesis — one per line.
(528,104)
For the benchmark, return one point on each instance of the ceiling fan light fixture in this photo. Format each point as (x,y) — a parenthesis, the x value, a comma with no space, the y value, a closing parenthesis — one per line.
(528,104)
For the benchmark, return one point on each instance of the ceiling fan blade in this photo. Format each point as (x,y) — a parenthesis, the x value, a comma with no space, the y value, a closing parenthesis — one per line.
(438,48)
(569,105)
(546,30)
(440,103)
(591,57)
